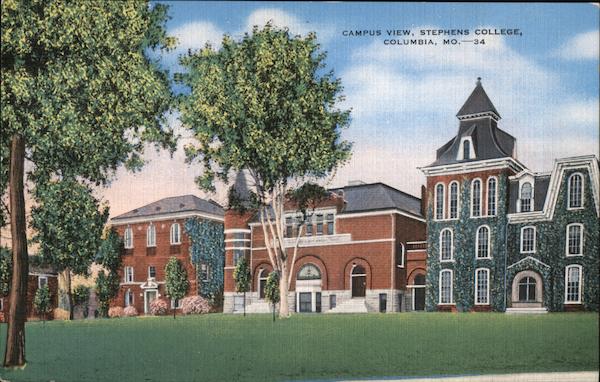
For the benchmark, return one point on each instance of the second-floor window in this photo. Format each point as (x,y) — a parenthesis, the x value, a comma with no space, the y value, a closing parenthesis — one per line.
(175,234)
(453,200)
(152,272)
(204,272)
(128,238)
(439,201)
(330,224)
(237,256)
(319,224)
(526,196)
(528,239)
(483,242)
(128,274)
(309,227)
(575,191)
(42,281)
(574,239)
(289,227)
(446,245)
(476,198)
(491,197)
(151,236)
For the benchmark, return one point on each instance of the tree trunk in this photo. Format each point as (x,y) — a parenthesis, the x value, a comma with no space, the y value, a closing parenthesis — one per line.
(284,310)
(174,306)
(69,292)
(244,303)
(15,339)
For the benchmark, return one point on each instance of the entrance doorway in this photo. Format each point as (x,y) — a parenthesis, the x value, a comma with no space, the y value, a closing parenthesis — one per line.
(308,289)
(527,290)
(359,281)
(263,275)
(419,292)
(149,296)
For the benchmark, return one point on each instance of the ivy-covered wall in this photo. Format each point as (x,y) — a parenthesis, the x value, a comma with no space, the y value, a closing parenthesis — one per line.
(207,247)
(551,241)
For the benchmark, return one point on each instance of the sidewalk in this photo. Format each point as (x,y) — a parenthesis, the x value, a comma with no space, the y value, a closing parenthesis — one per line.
(579,376)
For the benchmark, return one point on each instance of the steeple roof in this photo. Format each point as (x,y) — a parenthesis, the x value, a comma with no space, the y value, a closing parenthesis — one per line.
(478,104)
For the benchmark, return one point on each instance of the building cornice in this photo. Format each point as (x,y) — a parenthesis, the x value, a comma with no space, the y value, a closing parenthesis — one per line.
(163,217)
(461,168)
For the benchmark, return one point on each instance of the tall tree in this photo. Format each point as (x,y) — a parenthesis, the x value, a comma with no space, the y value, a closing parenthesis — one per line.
(68,224)
(109,256)
(272,290)
(79,97)
(176,282)
(265,104)
(241,276)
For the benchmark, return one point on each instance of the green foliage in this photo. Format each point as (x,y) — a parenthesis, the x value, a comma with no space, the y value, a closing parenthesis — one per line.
(109,253)
(241,275)
(68,224)
(107,287)
(5,270)
(260,104)
(81,295)
(307,197)
(42,302)
(272,288)
(176,282)
(207,247)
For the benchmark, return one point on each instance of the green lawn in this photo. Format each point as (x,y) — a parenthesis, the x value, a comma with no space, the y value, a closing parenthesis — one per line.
(233,348)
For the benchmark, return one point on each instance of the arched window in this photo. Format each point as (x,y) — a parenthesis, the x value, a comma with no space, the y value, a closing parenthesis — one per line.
(482,286)
(528,239)
(151,236)
(527,289)
(573,284)
(439,201)
(128,298)
(574,239)
(575,191)
(482,242)
(309,272)
(400,255)
(446,245)
(476,198)
(446,286)
(466,149)
(263,275)
(453,200)
(491,196)
(175,235)
(128,238)
(525,197)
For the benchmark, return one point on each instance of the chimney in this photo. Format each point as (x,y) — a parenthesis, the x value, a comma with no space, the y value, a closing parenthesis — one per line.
(423,200)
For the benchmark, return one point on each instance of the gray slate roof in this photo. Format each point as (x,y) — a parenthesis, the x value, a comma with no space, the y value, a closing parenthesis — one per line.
(478,102)
(540,190)
(378,196)
(184,203)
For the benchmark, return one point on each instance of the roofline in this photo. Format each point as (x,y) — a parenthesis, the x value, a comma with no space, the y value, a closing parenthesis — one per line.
(459,168)
(373,184)
(167,216)
(211,201)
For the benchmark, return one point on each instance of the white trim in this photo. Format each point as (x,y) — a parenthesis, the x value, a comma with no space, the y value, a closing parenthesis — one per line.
(235,248)
(480,197)
(486,114)
(451,287)
(42,274)
(450,200)
(441,246)
(466,167)
(487,192)
(569,192)
(487,297)
(472,152)
(138,283)
(403,254)
(164,217)
(146,303)
(130,230)
(151,234)
(40,278)
(125,278)
(416,242)
(579,282)
(151,266)
(534,239)
(581,236)
(435,199)
(234,240)
(377,213)
(329,244)
(237,230)
(489,249)
(531,200)
(173,225)
(529,258)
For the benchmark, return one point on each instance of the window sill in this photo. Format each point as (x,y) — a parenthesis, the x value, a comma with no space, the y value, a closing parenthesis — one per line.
(528,253)
(446,303)
(575,208)
(176,243)
(573,303)
(447,261)
(483,258)
(575,255)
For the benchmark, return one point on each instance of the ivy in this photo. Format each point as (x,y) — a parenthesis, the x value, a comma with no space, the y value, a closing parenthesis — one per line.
(207,247)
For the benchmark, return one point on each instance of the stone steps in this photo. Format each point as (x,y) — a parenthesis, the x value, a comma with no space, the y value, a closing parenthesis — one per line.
(526,310)
(258,307)
(354,305)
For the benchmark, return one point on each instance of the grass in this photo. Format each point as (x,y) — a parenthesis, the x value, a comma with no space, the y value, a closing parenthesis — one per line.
(233,348)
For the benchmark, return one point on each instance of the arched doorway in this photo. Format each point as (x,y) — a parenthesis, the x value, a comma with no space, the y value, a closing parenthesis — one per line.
(263,275)
(359,281)
(419,292)
(527,289)
(308,289)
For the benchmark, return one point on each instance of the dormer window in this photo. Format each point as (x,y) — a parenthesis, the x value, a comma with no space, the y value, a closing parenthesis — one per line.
(526,196)
(466,149)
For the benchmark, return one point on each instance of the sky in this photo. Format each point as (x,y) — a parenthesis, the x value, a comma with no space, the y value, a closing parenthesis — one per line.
(543,80)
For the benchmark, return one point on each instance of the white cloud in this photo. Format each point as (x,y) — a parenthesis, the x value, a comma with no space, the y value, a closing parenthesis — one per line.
(584,46)
(196,34)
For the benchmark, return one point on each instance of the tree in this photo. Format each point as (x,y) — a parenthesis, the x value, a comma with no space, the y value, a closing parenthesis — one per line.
(241,275)
(79,97)
(262,105)
(272,289)
(68,226)
(176,282)
(41,302)
(81,297)
(109,256)
(107,286)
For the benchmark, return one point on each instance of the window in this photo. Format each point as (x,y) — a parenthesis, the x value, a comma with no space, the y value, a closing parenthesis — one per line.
(128,274)
(330,224)
(332,301)
(400,255)
(446,245)
(573,284)
(152,272)
(175,304)
(237,255)
(575,239)
(309,272)
(446,286)
(151,235)
(382,302)
(453,200)
(526,195)
(482,286)
(309,227)
(175,235)
(439,201)
(527,239)
(128,298)
(128,238)
(319,224)
(305,300)
(42,281)
(491,197)
(476,198)
(318,302)
(466,149)
(575,191)
(527,289)
(289,228)
(205,272)
(482,242)
(263,275)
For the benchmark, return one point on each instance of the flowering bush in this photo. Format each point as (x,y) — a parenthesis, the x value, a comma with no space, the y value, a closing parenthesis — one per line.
(158,307)
(115,311)
(195,305)
(130,311)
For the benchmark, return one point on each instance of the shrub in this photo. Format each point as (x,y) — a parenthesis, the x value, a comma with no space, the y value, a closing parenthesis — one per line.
(158,307)
(42,302)
(130,311)
(195,305)
(81,295)
(61,314)
(115,311)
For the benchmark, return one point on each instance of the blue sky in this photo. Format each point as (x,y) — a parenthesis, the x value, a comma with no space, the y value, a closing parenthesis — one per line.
(545,83)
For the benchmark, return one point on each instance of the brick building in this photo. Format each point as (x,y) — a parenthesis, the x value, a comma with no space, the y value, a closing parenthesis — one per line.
(501,237)
(151,235)
(362,251)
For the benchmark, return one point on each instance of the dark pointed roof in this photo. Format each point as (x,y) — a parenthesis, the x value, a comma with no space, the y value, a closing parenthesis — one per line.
(477,103)
(184,203)
(241,185)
